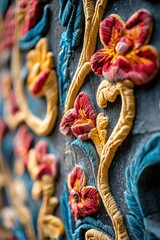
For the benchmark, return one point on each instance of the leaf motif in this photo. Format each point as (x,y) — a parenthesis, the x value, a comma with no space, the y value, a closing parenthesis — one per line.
(145,160)
(71,17)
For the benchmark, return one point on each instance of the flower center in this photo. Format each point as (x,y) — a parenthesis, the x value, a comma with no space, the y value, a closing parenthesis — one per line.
(82,113)
(75,195)
(124,46)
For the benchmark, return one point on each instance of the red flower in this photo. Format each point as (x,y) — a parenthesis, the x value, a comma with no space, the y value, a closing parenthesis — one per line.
(83,200)
(22,143)
(32,13)
(39,63)
(124,55)
(80,119)
(42,163)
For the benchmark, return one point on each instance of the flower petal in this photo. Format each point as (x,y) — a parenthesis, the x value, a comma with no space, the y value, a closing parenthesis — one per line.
(147,69)
(90,200)
(99,59)
(111,29)
(51,161)
(47,167)
(43,170)
(40,150)
(82,113)
(49,62)
(77,210)
(140,66)
(42,48)
(67,121)
(83,107)
(76,179)
(32,58)
(82,130)
(23,143)
(40,82)
(118,70)
(32,15)
(139,27)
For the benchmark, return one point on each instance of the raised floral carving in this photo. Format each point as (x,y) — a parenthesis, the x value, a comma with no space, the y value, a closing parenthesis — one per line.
(83,200)
(124,61)
(42,167)
(125,55)
(41,163)
(80,119)
(32,13)
(42,82)
(22,144)
(39,63)
(33,22)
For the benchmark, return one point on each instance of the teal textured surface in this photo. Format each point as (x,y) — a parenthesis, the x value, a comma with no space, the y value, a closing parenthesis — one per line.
(71,17)
(142,191)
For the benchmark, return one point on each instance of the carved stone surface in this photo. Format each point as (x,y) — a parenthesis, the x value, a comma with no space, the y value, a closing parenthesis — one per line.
(147,120)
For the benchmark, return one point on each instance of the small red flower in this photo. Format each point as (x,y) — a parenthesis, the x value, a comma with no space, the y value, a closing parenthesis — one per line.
(42,163)
(83,200)
(32,13)
(80,119)
(39,64)
(23,143)
(124,55)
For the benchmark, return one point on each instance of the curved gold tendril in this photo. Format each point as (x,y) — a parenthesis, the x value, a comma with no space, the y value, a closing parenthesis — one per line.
(108,92)
(48,225)
(50,92)
(50,89)
(93,16)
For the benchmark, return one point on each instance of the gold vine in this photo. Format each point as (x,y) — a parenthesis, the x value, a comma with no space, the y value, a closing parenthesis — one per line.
(108,92)
(48,225)
(50,91)
(40,127)
(93,16)
(98,134)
